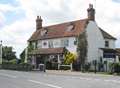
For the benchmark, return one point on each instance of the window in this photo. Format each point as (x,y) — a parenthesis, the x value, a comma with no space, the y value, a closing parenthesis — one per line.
(34,45)
(70,28)
(65,42)
(44,43)
(39,45)
(75,42)
(50,44)
(106,43)
(43,32)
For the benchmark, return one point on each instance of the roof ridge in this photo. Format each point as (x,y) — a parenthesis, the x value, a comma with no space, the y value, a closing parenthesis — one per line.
(107,33)
(65,23)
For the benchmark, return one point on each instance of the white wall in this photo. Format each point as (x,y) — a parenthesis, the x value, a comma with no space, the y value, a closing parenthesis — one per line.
(111,43)
(72,48)
(57,43)
(95,41)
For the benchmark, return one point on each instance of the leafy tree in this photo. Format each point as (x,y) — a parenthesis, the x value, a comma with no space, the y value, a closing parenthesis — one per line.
(69,57)
(82,49)
(22,56)
(30,47)
(8,53)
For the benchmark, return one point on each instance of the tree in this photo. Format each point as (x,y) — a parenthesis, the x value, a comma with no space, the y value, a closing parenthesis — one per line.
(69,57)
(30,47)
(8,53)
(22,56)
(82,49)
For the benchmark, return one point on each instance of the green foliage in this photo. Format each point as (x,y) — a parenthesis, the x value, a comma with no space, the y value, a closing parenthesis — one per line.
(65,68)
(30,47)
(115,67)
(14,61)
(19,67)
(82,49)
(22,56)
(8,53)
(69,57)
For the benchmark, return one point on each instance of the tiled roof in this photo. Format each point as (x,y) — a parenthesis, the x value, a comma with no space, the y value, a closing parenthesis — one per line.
(48,51)
(60,30)
(106,35)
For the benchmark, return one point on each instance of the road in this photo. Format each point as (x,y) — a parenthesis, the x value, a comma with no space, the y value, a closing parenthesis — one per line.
(17,79)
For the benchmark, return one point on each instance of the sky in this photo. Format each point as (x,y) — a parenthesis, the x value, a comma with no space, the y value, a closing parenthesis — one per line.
(17,17)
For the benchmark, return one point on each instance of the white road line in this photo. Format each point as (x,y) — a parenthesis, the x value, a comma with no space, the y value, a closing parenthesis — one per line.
(7,75)
(114,81)
(46,84)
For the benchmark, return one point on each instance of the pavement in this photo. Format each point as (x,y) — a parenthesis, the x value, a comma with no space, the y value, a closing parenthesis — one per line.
(56,79)
(75,73)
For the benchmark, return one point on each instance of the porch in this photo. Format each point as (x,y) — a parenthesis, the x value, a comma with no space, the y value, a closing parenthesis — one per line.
(52,58)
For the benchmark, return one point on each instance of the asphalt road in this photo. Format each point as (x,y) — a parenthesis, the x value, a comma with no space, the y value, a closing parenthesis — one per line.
(16,79)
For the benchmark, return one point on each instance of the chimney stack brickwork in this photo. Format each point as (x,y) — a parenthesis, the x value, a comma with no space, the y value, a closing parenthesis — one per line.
(38,23)
(91,12)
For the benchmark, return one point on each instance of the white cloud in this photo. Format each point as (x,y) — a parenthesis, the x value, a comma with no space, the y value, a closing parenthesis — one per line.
(2,20)
(56,11)
(7,7)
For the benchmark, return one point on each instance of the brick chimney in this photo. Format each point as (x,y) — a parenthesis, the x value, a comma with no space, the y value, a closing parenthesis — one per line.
(38,23)
(91,12)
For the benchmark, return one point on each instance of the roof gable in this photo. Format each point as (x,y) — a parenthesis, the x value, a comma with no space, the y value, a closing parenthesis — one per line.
(106,35)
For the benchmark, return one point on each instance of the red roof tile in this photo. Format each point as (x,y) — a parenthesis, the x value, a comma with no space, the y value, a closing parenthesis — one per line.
(60,30)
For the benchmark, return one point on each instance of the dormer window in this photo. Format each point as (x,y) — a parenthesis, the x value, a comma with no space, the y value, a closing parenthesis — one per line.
(106,43)
(43,32)
(70,27)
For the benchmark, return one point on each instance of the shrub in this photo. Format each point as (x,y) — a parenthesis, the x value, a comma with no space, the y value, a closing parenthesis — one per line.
(115,67)
(19,67)
(64,67)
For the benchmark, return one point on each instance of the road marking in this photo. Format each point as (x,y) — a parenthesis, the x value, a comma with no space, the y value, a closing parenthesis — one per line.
(46,84)
(7,75)
(115,81)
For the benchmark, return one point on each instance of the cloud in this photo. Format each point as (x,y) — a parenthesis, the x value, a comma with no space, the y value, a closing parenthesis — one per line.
(17,33)
(7,7)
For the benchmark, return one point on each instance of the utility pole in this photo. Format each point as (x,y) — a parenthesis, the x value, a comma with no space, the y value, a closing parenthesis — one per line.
(1,52)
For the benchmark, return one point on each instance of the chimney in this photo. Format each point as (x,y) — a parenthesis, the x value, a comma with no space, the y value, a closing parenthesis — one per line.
(38,23)
(91,12)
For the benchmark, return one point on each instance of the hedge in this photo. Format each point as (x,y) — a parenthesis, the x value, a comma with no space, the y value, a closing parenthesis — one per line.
(19,67)
(115,67)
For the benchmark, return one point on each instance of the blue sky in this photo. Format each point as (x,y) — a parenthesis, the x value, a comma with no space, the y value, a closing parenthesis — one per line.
(18,17)
(12,16)
(117,1)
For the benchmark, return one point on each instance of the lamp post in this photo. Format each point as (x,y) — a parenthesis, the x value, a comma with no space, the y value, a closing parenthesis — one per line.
(1,52)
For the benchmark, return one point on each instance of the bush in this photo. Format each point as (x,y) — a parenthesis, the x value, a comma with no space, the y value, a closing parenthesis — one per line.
(64,67)
(115,67)
(19,67)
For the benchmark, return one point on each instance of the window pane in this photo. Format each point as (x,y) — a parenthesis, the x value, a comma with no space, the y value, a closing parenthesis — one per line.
(106,43)
(50,44)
